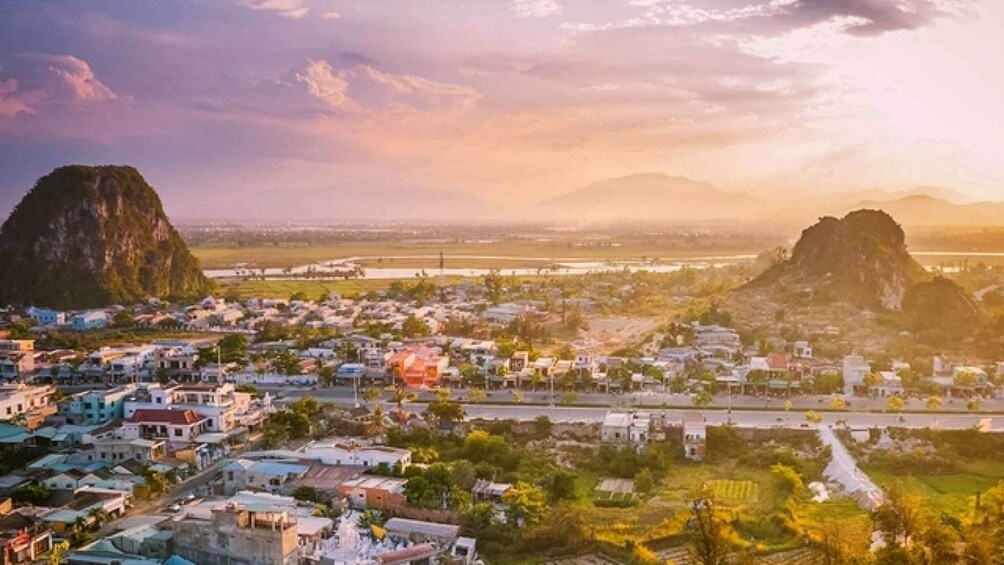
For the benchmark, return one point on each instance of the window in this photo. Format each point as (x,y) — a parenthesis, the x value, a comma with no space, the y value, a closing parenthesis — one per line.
(177,432)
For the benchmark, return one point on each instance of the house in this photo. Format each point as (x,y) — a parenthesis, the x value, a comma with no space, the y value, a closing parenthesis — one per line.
(520,360)
(96,406)
(24,538)
(854,371)
(889,384)
(358,455)
(260,533)
(485,490)
(46,316)
(216,402)
(119,450)
(17,358)
(802,350)
(626,427)
(23,400)
(374,492)
(176,427)
(418,366)
(90,320)
(272,477)
(695,437)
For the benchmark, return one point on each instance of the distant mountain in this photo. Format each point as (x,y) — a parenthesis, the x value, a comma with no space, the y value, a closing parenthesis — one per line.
(650,196)
(356,203)
(93,236)
(923,210)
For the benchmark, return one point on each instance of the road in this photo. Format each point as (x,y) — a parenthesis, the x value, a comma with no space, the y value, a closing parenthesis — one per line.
(844,470)
(664,400)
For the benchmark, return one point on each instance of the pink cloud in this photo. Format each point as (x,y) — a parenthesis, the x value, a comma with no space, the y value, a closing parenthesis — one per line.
(34,83)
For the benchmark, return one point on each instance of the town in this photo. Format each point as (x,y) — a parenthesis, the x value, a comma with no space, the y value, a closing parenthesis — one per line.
(297,429)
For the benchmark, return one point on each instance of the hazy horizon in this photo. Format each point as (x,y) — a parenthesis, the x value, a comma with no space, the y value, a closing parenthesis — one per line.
(280,108)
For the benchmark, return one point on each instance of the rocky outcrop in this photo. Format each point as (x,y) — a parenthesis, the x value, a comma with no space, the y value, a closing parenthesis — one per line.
(92,236)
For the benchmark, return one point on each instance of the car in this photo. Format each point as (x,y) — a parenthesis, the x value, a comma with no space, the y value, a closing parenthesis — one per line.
(173,507)
(188,498)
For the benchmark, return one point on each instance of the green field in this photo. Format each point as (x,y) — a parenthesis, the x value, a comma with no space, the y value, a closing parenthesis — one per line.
(734,491)
(514,252)
(953,494)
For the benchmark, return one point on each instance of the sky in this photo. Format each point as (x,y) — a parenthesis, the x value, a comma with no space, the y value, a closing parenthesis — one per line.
(280,108)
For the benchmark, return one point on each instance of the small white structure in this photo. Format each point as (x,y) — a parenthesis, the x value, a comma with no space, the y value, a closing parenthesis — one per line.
(695,436)
(626,427)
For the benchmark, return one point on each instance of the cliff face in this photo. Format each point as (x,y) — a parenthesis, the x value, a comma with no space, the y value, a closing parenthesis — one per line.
(861,258)
(93,236)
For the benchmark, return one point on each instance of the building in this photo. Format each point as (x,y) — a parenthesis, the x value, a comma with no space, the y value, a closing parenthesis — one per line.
(17,358)
(626,427)
(239,534)
(352,454)
(855,371)
(96,407)
(695,437)
(46,316)
(113,451)
(418,366)
(22,400)
(24,538)
(216,402)
(368,491)
(90,320)
(176,427)
(272,477)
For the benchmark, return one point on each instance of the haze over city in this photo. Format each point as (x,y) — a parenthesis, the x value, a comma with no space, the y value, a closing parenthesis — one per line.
(305,108)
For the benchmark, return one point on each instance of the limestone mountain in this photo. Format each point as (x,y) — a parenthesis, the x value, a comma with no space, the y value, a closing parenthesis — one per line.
(92,236)
(860,258)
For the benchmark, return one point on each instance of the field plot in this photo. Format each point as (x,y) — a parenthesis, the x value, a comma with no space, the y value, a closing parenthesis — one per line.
(734,491)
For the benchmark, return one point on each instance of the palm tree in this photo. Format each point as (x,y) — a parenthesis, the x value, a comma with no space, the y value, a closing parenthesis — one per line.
(377,426)
(98,516)
(400,398)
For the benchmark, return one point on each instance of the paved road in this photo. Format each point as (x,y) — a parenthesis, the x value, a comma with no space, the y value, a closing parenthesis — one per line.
(844,470)
(668,400)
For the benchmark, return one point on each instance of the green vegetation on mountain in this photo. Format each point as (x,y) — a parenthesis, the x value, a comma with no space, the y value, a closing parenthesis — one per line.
(92,236)
(940,304)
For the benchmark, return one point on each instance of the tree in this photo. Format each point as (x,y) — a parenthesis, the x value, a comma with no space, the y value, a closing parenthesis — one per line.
(702,399)
(402,396)
(838,403)
(813,417)
(643,481)
(932,403)
(900,518)
(123,319)
(413,327)
(306,494)
(97,516)
(446,411)
(710,533)
(57,553)
(156,483)
(372,394)
(525,504)
(566,352)
(377,425)
(476,395)
(35,495)
(973,404)
(894,404)
(517,396)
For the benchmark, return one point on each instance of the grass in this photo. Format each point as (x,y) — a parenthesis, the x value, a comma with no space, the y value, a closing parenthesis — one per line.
(952,493)
(734,491)
(312,288)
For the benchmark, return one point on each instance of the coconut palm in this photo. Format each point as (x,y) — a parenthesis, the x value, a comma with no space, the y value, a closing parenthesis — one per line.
(377,425)
(401,396)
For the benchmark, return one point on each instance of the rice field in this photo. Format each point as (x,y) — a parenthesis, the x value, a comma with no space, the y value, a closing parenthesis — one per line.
(727,490)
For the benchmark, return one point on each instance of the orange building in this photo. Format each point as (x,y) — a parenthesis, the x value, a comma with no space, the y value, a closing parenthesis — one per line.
(418,367)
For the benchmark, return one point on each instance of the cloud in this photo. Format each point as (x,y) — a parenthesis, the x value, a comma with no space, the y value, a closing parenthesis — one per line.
(34,83)
(535,8)
(325,84)
(771,17)
(286,8)
(331,15)
(364,87)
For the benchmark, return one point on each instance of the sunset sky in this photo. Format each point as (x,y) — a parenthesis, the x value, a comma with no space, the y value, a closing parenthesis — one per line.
(235,105)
